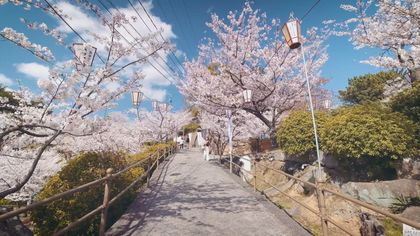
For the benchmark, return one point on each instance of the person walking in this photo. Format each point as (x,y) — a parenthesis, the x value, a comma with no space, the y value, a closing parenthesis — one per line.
(206,150)
(181,142)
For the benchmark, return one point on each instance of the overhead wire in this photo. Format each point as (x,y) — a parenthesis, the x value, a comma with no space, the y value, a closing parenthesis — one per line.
(151,20)
(68,24)
(130,43)
(180,25)
(310,9)
(189,18)
(140,36)
(163,67)
(150,30)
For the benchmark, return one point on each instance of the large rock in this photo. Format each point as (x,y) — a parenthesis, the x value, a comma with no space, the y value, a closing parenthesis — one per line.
(382,193)
(412,213)
(13,226)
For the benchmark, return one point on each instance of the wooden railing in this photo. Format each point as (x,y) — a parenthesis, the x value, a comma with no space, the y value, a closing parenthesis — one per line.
(320,190)
(152,161)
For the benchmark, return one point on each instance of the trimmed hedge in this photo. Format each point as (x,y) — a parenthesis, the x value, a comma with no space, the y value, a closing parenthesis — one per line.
(295,135)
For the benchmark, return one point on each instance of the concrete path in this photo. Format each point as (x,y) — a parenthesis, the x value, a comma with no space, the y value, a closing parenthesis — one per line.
(190,196)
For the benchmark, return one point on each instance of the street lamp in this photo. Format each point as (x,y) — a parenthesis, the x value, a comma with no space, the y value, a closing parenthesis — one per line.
(136,98)
(291,32)
(164,107)
(247,95)
(155,105)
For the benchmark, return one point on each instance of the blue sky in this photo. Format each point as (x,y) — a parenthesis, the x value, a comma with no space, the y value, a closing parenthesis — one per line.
(185,19)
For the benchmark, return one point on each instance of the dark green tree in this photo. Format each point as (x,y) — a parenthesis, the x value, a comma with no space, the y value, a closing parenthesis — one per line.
(366,88)
(408,102)
(7,101)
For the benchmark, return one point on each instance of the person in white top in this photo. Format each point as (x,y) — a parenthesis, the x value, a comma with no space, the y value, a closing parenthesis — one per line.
(206,150)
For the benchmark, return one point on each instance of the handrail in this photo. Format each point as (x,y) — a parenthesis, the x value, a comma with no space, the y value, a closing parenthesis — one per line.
(320,190)
(171,150)
(51,199)
(375,209)
(351,199)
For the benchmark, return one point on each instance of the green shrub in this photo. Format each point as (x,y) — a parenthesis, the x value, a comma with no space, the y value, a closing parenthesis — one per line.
(366,88)
(370,140)
(83,169)
(369,130)
(295,135)
(189,128)
(401,203)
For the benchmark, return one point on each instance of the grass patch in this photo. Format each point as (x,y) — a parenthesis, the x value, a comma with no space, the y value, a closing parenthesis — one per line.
(391,227)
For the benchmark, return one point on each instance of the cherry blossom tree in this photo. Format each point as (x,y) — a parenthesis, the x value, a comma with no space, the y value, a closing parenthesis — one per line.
(249,53)
(389,25)
(162,124)
(244,126)
(72,96)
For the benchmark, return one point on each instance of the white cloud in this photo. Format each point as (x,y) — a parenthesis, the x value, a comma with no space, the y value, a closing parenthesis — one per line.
(154,93)
(33,70)
(4,80)
(86,23)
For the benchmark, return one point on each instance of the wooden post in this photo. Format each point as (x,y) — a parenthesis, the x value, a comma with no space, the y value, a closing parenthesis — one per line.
(230,161)
(254,164)
(104,213)
(148,172)
(157,160)
(322,209)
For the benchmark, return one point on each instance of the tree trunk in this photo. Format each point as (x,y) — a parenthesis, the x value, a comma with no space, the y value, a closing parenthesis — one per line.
(28,175)
(273,138)
(415,75)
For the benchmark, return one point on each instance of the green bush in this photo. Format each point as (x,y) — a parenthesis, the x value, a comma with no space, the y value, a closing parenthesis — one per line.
(366,88)
(83,169)
(295,135)
(369,130)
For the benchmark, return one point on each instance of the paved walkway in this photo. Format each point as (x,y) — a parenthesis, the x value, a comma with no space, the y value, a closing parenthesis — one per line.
(190,196)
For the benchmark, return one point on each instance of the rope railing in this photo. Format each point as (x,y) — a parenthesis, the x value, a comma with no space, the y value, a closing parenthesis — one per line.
(320,194)
(103,209)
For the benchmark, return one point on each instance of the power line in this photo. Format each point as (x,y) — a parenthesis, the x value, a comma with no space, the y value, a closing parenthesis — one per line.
(159,71)
(164,68)
(150,18)
(179,23)
(64,20)
(310,9)
(189,18)
(150,30)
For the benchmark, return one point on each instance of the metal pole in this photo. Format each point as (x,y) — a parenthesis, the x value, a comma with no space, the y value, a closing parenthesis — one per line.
(230,157)
(313,115)
(255,174)
(104,213)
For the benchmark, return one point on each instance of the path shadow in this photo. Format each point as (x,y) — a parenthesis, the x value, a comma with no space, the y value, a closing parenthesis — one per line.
(171,199)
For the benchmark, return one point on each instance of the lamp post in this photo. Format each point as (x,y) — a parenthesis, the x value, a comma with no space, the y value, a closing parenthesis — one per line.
(229,131)
(247,95)
(136,97)
(291,32)
(155,105)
